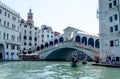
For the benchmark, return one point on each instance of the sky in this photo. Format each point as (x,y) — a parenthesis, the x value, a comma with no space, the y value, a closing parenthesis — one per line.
(59,14)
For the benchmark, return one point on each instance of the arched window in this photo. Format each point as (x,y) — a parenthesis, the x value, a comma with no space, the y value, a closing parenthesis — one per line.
(4,36)
(84,40)
(46,44)
(55,41)
(42,46)
(61,39)
(91,42)
(7,36)
(50,43)
(77,38)
(97,43)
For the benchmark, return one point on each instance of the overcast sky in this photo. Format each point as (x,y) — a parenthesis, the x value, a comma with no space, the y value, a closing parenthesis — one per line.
(59,14)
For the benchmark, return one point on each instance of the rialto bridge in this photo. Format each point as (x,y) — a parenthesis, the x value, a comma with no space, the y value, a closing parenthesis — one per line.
(63,45)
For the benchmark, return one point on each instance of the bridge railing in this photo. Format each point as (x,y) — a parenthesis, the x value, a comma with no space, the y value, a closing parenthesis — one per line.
(64,44)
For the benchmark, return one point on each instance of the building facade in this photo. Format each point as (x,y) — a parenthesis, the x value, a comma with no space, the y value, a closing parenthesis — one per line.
(9,33)
(46,33)
(109,28)
(29,34)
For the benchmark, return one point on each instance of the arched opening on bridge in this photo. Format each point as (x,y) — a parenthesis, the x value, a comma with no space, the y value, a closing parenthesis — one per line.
(1,51)
(38,48)
(97,43)
(30,51)
(84,40)
(55,41)
(51,43)
(91,42)
(46,44)
(77,38)
(24,52)
(61,39)
(42,46)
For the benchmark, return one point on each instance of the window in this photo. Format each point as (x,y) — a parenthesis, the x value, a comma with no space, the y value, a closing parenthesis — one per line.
(111,43)
(6,46)
(47,36)
(8,24)
(25,43)
(14,18)
(30,38)
(115,17)
(13,37)
(116,42)
(25,25)
(5,13)
(12,46)
(51,36)
(0,11)
(114,3)
(42,36)
(110,5)
(35,38)
(25,31)
(110,19)
(111,29)
(30,32)
(7,53)
(116,27)
(0,21)
(25,37)
(8,15)
(4,36)
(42,40)
(4,23)
(30,44)
(7,36)
(35,28)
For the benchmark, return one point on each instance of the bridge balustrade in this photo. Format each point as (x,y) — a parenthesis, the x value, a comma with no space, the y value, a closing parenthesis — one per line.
(69,44)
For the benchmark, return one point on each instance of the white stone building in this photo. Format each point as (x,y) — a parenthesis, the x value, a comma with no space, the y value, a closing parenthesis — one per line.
(29,34)
(46,33)
(109,28)
(9,33)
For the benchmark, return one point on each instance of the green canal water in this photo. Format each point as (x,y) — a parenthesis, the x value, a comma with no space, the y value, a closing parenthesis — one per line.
(54,70)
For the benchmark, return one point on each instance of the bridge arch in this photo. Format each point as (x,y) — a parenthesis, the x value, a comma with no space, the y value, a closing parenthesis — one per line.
(77,38)
(1,51)
(38,48)
(62,51)
(46,44)
(84,40)
(55,41)
(97,43)
(61,39)
(91,42)
(50,43)
(42,46)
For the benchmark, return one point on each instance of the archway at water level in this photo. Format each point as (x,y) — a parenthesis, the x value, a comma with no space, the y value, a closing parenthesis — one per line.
(62,54)
(1,51)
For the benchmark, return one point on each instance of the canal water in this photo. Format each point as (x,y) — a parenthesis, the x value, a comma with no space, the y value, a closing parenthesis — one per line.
(54,70)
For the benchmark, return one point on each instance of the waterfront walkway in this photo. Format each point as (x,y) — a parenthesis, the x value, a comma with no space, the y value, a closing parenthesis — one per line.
(107,65)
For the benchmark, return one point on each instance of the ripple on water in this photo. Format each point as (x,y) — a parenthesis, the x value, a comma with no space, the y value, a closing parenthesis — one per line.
(87,77)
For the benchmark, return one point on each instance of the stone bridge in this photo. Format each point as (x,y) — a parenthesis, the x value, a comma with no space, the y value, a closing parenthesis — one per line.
(63,45)
(62,50)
